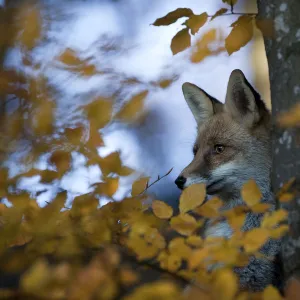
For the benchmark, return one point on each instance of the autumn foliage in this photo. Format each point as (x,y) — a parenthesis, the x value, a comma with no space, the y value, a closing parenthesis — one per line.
(129,249)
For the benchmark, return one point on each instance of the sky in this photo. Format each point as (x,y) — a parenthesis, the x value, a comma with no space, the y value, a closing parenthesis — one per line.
(164,139)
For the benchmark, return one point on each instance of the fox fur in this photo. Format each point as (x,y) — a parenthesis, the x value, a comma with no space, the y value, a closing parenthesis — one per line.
(233,145)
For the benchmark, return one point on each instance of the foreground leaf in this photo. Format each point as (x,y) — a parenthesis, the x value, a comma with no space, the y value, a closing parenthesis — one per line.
(195,22)
(173,16)
(251,193)
(162,210)
(181,41)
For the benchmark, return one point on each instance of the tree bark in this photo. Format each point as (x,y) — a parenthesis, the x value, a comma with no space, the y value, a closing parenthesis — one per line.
(283,54)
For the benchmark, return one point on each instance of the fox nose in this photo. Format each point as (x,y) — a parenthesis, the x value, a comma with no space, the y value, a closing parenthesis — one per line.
(180,181)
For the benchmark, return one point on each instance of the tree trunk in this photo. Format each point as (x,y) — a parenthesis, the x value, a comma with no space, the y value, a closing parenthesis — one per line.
(283,54)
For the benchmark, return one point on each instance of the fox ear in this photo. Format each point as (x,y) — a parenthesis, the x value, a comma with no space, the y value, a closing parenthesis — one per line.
(242,101)
(202,105)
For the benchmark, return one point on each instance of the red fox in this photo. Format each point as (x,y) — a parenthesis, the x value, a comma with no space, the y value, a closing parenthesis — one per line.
(233,145)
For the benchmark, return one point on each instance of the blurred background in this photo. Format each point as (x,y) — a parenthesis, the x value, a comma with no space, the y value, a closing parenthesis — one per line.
(126,55)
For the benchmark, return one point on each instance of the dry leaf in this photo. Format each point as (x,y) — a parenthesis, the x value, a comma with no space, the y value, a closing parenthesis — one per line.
(195,22)
(241,34)
(192,197)
(162,210)
(251,193)
(181,41)
(173,16)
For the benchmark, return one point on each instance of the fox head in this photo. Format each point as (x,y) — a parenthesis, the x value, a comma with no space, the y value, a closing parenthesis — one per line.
(233,142)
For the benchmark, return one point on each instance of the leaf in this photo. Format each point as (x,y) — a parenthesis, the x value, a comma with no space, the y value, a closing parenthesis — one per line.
(195,22)
(192,197)
(95,139)
(230,2)
(173,16)
(62,160)
(184,224)
(225,284)
(111,163)
(237,221)
(43,118)
(128,277)
(279,231)
(36,277)
(108,188)
(292,290)
(260,207)
(70,58)
(128,112)
(270,292)
(162,210)
(290,118)
(255,239)
(194,240)
(125,171)
(173,262)
(197,257)
(165,83)
(31,25)
(210,209)
(286,197)
(74,135)
(178,247)
(266,27)
(181,41)
(240,35)
(251,193)
(139,186)
(220,12)
(99,111)
(273,219)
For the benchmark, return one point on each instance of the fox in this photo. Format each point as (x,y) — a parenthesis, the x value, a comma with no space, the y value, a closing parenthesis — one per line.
(233,145)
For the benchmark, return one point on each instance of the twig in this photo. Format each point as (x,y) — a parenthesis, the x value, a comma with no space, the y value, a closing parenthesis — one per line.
(158,179)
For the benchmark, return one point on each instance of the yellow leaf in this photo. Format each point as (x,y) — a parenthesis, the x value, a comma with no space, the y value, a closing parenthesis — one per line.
(240,35)
(181,41)
(178,247)
(111,163)
(291,118)
(197,257)
(273,219)
(162,289)
(125,171)
(271,292)
(194,240)
(286,197)
(35,279)
(109,187)
(225,284)
(286,187)
(162,210)
(70,58)
(192,197)
(128,277)
(129,111)
(42,120)
(255,239)
(184,224)
(95,139)
(278,232)
(99,111)
(220,12)
(62,160)
(210,209)
(202,48)
(260,207)
(266,27)
(230,2)
(237,221)
(139,186)
(251,193)
(74,135)
(31,25)
(173,262)
(173,16)
(195,22)
(165,83)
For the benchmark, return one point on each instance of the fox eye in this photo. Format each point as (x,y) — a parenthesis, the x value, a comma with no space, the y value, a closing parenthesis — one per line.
(218,149)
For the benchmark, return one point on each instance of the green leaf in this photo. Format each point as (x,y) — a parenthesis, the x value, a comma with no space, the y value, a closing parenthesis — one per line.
(173,16)
(181,41)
